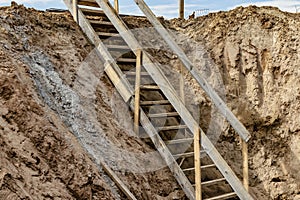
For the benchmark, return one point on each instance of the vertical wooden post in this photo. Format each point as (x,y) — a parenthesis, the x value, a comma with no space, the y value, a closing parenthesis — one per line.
(181,85)
(75,10)
(197,148)
(117,6)
(245,165)
(181,9)
(137,91)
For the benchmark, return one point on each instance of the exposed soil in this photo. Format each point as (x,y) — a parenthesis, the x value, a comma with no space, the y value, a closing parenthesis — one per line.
(60,115)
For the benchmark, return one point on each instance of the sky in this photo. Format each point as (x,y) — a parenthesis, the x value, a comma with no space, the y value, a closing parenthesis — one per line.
(169,8)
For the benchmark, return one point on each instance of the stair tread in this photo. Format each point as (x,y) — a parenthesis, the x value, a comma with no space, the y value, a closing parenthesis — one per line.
(223,196)
(189,154)
(92,12)
(202,167)
(114,46)
(108,34)
(170,114)
(91,3)
(179,141)
(99,22)
(130,73)
(188,169)
(211,182)
(166,128)
(208,166)
(158,102)
(129,60)
(149,87)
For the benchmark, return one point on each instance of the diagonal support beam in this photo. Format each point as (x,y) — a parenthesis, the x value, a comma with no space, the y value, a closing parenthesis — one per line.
(220,104)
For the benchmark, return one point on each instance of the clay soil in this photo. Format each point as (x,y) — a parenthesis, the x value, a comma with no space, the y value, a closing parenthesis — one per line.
(44,57)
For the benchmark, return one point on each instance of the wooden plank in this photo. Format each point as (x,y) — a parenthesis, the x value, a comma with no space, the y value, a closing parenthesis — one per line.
(245,165)
(181,85)
(197,149)
(92,12)
(158,115)
(91,3)
(150,87)
(137,92)
(126,60)
(75,10)
(105,34)
(188,170)
(219,103)
(98,22)
(116,3)
(181,9)
(118,47)
(118,181)
(212,182)
(223,196)
(134,73)
(184,155)
(169,128)
(208,166)
(158,102)
(179,141)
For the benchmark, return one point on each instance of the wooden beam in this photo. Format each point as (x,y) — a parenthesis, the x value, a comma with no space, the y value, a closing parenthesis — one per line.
(159,77)
(197,161)
(118,181)
(137,91)
(181,9)
(116,2)
(245,165)
(75,10)
(216,99)
(181,85)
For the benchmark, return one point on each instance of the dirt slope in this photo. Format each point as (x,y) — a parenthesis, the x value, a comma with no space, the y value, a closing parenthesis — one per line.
(257,52)
(41,57)
(45,72)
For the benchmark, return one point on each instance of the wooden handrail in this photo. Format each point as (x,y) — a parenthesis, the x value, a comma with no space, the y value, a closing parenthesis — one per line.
(219,103)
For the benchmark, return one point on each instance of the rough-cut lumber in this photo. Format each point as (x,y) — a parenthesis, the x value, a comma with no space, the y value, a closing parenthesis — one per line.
(236,124)
(197,156)
(118,181)
(138,68)
(158,76)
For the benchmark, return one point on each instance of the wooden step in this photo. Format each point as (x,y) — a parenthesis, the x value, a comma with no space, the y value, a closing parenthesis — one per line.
(92,12)
(149,87)
(99,22)
(180,141)
(208,166)
(118,47)
(131,73)
(188,169)
(185,155)
(212,182)
(158,102)
(169,128)
(126,60)
(223,196)
(158,115)
(105,34)
(91,3)
(202,167)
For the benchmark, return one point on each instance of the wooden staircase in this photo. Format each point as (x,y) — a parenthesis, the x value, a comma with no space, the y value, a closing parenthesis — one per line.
(179,137)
